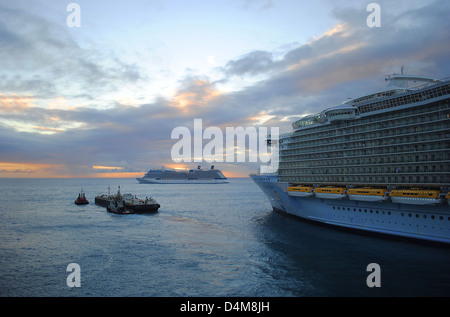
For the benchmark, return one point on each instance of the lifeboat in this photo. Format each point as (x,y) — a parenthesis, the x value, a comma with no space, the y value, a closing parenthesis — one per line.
(330,192)
(300,191)
(367,194)
(81,200)
(416,196)
(448,197)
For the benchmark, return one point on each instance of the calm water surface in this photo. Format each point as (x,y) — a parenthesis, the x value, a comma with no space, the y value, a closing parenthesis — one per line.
(206,240)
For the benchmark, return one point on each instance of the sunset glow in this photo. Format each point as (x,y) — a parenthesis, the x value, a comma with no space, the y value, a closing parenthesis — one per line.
(101,99)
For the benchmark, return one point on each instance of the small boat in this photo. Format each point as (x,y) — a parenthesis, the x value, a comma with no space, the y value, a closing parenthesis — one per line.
(131,203)
(300,191)
(330,192)
(140,205)
(117,206)
(103,200)
(448,197)
(81,200)
(367,194)
(416,196)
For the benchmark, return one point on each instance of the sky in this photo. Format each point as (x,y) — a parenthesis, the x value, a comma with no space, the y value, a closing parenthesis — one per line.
(102,99)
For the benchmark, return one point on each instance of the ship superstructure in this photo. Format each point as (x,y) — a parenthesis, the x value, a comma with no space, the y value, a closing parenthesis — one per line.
(193,176)
(386,153)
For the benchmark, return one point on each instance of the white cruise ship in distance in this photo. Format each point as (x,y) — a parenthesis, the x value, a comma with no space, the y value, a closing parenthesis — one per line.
(193,176)
(377,163)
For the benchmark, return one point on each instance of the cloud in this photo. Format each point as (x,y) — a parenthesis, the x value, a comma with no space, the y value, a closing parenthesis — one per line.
(250,64)
(193,93)
(43,59)
(258,4)
(350,54)
(55,95)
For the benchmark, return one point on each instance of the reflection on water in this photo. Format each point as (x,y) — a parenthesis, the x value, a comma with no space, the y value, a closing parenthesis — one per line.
(205,241)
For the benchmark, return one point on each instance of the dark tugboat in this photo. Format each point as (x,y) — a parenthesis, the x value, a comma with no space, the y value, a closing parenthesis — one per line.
(131,202)
(81,200)
(117,206)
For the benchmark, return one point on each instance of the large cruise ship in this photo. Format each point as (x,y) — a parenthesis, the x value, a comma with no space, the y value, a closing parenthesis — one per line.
(378,163)
(193,176)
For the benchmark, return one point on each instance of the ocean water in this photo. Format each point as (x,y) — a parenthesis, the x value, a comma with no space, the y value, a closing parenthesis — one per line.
(205,241)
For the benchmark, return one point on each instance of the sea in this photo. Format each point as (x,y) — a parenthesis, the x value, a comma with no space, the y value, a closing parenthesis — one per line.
(220,240)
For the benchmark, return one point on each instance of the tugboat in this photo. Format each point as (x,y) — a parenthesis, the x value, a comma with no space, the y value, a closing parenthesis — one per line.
(117,205)
(103,200)
(81,200)
(137,205)
(131,202)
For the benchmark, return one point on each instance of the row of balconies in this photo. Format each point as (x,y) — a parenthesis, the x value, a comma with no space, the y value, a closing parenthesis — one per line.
(435,132)
(406,99)
(439,110)
(361,149)
(397,166)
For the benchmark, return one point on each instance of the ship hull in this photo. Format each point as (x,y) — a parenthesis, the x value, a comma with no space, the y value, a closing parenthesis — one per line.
(180,181)
(104,201)
(429,223)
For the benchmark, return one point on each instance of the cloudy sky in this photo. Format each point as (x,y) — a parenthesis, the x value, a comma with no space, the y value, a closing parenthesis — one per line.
(102,99)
